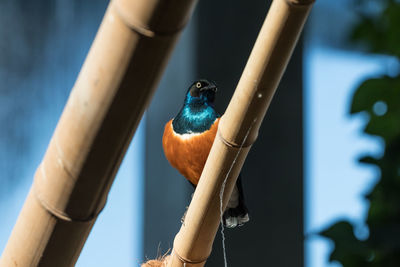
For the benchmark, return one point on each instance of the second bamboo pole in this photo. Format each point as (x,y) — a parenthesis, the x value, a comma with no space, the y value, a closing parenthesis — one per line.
(238,130)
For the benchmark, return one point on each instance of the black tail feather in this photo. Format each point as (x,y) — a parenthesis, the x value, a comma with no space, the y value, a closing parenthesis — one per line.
(236,216)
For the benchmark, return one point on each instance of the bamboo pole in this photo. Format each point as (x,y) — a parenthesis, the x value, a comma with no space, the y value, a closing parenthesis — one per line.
(238,129)
(104,108)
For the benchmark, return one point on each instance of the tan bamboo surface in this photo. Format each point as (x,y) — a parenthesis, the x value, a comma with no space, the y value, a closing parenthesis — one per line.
(104,108)
(238,129)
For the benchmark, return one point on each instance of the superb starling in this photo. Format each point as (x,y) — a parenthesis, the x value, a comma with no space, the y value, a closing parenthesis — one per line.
(187,141)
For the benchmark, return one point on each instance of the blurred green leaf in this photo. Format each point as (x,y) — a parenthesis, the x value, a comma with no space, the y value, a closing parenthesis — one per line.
(348,249)
(384,89)
(369,160)
(391,21)
(380,33)
(379,98)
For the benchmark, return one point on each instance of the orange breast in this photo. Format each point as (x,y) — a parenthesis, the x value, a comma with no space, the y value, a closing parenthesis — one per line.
(188,153)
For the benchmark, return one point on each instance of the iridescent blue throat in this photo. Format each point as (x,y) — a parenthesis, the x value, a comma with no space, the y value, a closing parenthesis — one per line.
(194,117)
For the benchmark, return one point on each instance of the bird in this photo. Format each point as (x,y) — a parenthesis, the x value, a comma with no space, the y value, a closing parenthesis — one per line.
(187,140)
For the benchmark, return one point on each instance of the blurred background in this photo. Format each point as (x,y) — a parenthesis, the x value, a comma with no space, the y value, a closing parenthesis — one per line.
(302,175)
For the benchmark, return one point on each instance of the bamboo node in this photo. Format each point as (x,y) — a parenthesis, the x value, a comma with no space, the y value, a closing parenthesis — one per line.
(300,2)
(59,214)
(232,145)
(135,26)
(184,260)
(247,142)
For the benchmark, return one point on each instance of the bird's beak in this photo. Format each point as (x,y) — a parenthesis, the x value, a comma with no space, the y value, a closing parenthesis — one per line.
(210,87)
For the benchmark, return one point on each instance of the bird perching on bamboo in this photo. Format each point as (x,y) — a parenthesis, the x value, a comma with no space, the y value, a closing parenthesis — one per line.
(187,141)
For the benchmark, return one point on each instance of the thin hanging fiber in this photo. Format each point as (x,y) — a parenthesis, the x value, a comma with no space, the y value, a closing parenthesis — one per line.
(221,193)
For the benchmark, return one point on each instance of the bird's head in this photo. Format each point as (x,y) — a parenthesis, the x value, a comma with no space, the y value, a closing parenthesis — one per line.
(201,92)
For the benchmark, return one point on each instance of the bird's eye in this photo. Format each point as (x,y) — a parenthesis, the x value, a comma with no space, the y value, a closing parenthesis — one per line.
(198,84)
